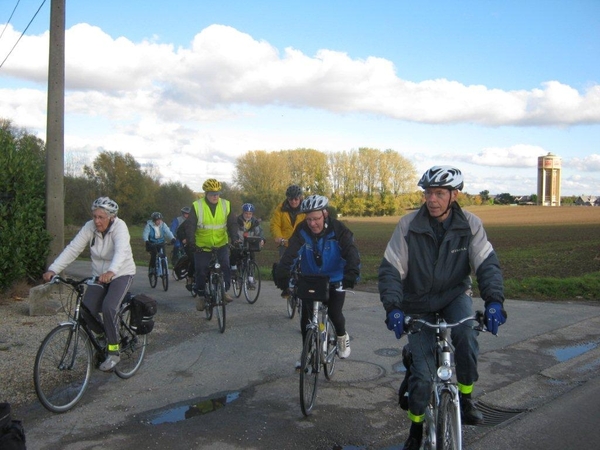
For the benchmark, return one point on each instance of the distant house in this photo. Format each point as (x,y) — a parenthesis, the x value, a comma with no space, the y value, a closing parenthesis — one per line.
(524,200)
(587,200)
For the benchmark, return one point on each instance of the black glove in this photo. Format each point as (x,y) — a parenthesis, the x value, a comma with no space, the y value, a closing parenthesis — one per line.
(173,241)
(282,277)
(148,246)
(348,281)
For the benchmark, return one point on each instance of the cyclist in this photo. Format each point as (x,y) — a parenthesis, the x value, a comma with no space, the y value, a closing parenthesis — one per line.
(211,224)
(326,246)
(175,224)
(156,233)
(285,219)
(112,262)
(247,226)
(426,270)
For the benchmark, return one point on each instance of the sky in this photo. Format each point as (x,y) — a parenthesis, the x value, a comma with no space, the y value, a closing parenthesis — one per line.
(189,85)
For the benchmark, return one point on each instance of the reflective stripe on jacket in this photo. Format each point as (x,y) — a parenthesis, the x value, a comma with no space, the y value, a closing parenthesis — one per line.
(211,231)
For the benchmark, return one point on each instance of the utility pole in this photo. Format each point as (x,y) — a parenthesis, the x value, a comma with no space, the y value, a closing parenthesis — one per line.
(55,131)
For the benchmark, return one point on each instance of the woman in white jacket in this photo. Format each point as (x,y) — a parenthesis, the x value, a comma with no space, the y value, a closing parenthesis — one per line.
(112,264)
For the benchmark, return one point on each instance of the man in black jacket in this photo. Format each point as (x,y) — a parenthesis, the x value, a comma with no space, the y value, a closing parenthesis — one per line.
(426,270)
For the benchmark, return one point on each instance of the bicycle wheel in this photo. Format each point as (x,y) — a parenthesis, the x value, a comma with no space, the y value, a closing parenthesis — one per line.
(165,274)
(210,301)
(133,347)
(448,429)
(152,278)
(236,280)
(219,288)
(330,347)
(63,366)
(309,372)
(291,305)
(252,289)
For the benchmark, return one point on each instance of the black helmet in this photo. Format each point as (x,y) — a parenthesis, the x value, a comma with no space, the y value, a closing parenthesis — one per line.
(293,191)
(156,216)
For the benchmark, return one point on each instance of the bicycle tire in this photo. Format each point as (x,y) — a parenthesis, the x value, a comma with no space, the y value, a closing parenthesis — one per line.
(291,305)
(220,302)
(330,351)
(133,347)
(210,299)
(236,281)
(165,274)
(429,438)
(59,388)
(152,278)
(448,428)
(309,372)
(251,290)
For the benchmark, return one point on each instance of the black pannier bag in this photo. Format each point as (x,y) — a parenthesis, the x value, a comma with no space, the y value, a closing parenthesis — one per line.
(12,434)
(143,309)
(313,287)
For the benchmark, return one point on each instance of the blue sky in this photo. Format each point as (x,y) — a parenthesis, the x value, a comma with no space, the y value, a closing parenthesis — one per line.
(191,85)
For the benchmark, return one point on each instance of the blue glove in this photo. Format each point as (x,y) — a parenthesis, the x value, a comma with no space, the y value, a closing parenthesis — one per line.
(494,316)
(395,321)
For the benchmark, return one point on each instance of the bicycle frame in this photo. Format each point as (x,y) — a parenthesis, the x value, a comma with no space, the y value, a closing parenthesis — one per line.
(437,424)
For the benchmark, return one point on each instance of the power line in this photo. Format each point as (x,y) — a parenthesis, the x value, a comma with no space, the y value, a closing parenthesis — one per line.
(24,31)
(8,21)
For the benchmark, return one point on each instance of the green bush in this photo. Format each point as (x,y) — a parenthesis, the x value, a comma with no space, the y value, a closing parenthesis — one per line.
(22,212)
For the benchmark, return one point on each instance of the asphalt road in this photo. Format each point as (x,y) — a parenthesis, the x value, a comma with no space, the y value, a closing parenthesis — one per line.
(199,389)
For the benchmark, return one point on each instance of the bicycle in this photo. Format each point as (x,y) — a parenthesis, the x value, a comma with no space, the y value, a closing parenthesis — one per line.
(64,361)
(247,276)
(293,302)
(443,429)
(160,269)
(319,349)
(215,291)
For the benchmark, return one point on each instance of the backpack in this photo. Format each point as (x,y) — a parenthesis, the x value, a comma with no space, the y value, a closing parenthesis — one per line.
(12,433)
(143,309)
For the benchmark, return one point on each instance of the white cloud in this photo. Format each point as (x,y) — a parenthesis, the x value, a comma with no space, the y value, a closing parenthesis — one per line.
(179,107)
(590,163)
(223,66)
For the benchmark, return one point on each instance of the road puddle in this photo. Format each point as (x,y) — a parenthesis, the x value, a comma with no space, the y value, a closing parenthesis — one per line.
(197,409)
(565,353)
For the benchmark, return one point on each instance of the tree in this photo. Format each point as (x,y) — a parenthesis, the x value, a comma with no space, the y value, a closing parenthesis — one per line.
(485,196)
(120,177)
(504,199)
(25,241)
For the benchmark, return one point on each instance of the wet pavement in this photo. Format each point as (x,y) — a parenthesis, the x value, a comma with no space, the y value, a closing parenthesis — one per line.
(199,389)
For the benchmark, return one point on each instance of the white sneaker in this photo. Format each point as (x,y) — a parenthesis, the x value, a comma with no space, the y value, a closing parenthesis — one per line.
(343,344)
(110,363)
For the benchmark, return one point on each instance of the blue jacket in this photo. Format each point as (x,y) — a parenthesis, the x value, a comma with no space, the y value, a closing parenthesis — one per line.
(149,234)
(335,245)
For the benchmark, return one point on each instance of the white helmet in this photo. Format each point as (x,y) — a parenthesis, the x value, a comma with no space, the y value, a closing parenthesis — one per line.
(314,203)
(442,176)
(110,206)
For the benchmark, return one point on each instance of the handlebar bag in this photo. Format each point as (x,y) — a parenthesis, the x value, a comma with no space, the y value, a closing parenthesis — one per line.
(313,287)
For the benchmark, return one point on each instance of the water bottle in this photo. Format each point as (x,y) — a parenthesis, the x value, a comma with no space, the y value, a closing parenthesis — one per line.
(251,280)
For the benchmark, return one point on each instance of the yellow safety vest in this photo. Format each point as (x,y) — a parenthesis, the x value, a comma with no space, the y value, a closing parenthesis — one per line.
(211,231)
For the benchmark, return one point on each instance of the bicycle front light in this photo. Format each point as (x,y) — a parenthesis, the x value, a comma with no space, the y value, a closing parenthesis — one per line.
(444,373)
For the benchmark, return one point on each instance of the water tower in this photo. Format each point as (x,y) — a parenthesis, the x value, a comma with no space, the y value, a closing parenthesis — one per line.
(548,191)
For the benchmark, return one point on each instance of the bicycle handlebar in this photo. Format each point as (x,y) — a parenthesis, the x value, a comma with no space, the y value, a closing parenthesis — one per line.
(73,282)
(411,323)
